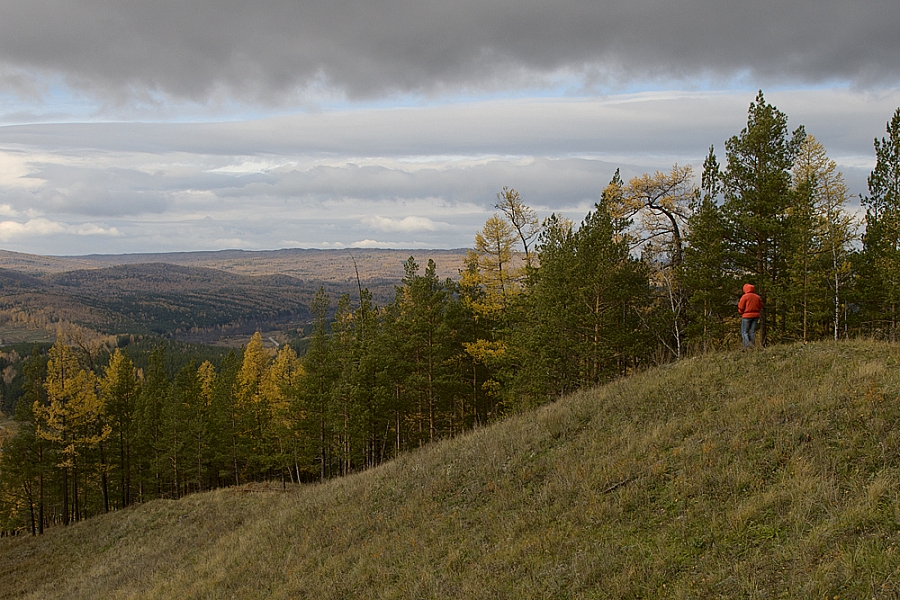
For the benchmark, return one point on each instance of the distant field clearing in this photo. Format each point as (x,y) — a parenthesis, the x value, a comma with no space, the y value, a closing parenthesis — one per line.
(14,334)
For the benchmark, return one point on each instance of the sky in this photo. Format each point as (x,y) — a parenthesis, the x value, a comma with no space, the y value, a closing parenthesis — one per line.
(136,126)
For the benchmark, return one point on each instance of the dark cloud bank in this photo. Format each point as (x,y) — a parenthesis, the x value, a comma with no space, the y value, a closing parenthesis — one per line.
(266,50)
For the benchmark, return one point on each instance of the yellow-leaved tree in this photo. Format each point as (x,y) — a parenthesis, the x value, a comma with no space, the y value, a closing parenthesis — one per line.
(824,235)
(255,413)
(71,419)
(280,390)
(490,284)
(662,203)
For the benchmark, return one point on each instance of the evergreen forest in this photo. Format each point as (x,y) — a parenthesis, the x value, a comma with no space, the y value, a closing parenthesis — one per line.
(542,308)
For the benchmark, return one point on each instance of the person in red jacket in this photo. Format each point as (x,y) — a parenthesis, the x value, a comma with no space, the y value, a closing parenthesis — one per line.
(749,308)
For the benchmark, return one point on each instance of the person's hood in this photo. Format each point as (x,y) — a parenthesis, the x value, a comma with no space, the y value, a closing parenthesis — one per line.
(748,288)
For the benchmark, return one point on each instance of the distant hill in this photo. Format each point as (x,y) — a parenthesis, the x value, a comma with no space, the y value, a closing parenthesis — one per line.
(161,299)
(15,280)
(40,265)
(201,296)
(763,474)
(374,264)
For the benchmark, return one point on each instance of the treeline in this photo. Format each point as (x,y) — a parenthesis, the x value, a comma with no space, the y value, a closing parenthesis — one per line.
(652,273)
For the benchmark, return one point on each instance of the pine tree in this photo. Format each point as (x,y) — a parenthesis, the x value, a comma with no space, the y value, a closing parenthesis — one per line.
(705,277)
(150,416)
(704,272)
(321,374)
(881,241)
(758,196)
(120,388)
(27,459)
(226,421)
(422,303)
(584,306)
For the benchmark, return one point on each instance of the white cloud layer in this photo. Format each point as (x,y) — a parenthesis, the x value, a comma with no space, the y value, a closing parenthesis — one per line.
(172,125)
(11,231)
(409,224)
(403,177)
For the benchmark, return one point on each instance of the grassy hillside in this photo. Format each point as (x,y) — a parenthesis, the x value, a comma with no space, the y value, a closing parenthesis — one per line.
(745,475)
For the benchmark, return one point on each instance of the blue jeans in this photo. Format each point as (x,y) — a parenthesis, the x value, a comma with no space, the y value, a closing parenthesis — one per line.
(748,331)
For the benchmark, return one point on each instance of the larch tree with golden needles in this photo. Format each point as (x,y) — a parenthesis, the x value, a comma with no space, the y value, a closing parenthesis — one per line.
(491,283)
(251,398)
(825,232)
(205,405)
(662,204)
(522,217)
(280,389)
(494,254)
(71,420)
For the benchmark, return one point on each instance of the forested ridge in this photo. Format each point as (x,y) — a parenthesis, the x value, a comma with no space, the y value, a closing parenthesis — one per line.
(154,298)
(541,308)
(204,297)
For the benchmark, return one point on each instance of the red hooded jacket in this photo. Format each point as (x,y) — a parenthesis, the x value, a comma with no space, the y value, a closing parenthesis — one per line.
(750,303)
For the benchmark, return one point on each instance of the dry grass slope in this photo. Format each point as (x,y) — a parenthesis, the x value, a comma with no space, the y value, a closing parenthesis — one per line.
(759,475)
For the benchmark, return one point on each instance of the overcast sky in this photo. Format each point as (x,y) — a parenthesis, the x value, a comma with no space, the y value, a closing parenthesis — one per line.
(164,125)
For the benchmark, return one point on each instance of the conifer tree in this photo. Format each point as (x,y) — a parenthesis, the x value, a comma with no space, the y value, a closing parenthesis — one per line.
(280,387)
(321,374)
(204,424)
(584,306)
(180,423)
(150,417)
(70,420)
(758,196)
(662,202)
(494,254)
(255,414)
(483,346)
(226,421)
(120,388)
(881,241)
(422,304)
(705,271)
(824,233)
(523,219)
(27,459)
(344,407)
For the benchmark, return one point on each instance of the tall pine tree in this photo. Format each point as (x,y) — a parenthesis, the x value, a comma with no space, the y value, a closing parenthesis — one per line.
(881,241)
(758,198)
